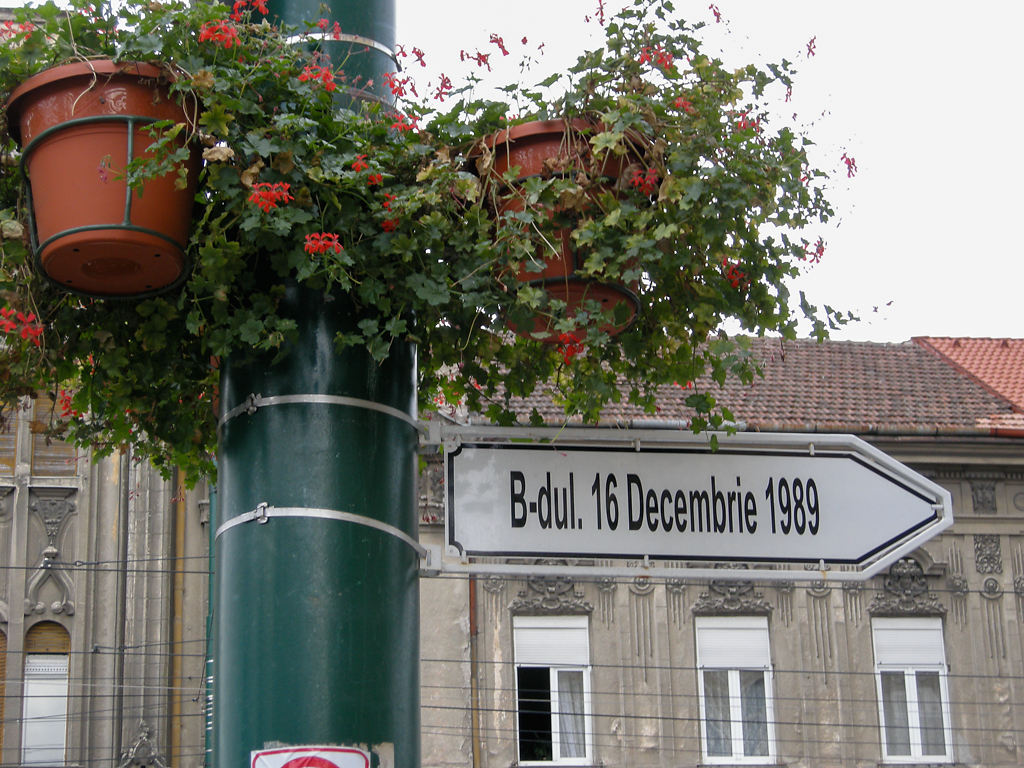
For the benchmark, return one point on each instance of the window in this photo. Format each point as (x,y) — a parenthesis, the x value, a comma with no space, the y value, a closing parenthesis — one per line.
(913,700)
(3,683)
(45,701)
(734,683)
(552,657)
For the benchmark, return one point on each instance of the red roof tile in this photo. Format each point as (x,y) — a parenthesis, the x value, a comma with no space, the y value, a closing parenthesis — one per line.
(998,364)
(836,386)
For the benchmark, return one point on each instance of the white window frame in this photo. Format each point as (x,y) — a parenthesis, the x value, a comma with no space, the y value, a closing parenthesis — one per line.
(735,644)
(909,646)
(44,709)
(559,643)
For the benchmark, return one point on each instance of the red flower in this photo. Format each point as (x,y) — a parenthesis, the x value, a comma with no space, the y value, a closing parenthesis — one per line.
(645,181)
(685,104)
(358,164)
(389,225)
(444,88)
(386,205)
(745,123)
(658,55)
(401,125)
(419,56)
(321,242)
(220,32)
(395,83)
(375,179)
(851,166)
(323,74)
(817,253)
(570,345)
(737,279)
(267,195)
(498,41)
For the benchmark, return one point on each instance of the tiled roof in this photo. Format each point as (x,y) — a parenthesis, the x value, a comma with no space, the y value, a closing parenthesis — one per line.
(998,364)
(838,386)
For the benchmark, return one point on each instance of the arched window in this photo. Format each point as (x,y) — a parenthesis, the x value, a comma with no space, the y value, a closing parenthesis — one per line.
(3,680)
(45,698)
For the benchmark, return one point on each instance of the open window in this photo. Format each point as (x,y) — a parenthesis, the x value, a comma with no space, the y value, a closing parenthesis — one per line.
(734,682)
(552,658)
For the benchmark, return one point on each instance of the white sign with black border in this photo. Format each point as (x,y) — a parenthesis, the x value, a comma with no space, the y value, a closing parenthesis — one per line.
(775,505)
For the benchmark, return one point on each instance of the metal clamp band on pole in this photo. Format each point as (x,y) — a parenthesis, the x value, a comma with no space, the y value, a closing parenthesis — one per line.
(342,37)
(254,402)
(264,512)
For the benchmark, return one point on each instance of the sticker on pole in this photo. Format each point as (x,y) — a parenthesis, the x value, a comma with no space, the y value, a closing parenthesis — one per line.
(311,757)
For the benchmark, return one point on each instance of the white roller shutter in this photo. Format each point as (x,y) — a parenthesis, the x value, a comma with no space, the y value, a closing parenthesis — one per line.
(733,642)
(551,641)
(908,642)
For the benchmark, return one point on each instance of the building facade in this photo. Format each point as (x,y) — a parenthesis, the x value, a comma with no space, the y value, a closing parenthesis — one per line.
(920,665)
(104,585)
(102,606)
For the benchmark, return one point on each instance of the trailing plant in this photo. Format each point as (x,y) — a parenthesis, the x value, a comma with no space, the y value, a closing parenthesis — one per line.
(394,209)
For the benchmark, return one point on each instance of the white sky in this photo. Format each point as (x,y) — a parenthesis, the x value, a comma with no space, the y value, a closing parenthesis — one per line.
(923,95)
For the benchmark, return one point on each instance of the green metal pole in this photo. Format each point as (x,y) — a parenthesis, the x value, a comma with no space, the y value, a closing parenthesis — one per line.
(362,44)
(317,615)
(316,593)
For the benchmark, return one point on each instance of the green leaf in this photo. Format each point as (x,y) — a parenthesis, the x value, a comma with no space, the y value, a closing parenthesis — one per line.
(607,141)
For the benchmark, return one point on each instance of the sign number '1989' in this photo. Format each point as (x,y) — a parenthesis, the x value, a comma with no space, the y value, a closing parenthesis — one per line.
(793,506)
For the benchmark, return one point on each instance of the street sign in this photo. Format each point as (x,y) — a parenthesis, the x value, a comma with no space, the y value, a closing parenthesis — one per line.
(767,501)
(310,757)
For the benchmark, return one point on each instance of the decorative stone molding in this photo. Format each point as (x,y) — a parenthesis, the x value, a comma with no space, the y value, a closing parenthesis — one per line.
(957,585)
(495,585)
(983,496)
(552,595)
(641,603)
(1018,586)
(987,556)
(142,753)
(991,589)
(675,590)
(853,593)
(1018,501)
(48,572)
(905,593)
(819,589)
(784,597)
(53,506)
(606,600)
(729,598)
(641,585)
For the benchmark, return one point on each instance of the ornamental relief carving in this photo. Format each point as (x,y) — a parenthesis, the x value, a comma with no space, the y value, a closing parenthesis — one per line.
(53,507)
(987,555)
(983,496)
(728,598)
(50,587)
(550,595)
(905,592)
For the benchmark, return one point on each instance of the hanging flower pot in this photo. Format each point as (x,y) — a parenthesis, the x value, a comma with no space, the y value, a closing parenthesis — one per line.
(545,148)
(79,126)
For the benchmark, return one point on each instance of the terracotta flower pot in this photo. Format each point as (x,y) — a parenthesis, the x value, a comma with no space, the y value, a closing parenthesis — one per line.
(79,126)
(546,148)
